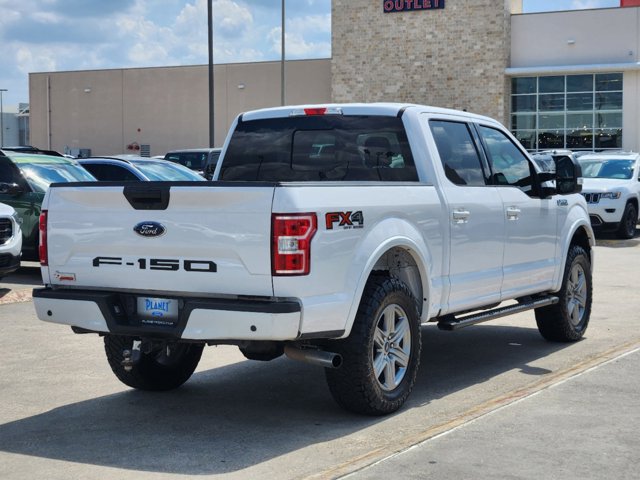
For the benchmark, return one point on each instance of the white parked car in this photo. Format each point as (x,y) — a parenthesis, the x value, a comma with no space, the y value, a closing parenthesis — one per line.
(10,240)
(612,190)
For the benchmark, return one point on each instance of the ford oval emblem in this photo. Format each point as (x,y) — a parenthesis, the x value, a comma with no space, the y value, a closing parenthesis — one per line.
(149,229)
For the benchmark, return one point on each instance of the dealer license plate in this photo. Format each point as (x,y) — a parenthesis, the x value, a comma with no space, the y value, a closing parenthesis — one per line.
(159,311)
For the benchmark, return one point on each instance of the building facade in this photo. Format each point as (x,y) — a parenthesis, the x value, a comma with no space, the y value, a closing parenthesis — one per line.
(159,109)
(558,80)
(453,54)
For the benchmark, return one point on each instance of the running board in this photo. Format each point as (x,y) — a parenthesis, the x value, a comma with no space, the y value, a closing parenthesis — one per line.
(450,322)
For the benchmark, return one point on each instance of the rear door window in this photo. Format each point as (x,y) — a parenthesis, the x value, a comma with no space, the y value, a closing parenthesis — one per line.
(458,153)
(319,148)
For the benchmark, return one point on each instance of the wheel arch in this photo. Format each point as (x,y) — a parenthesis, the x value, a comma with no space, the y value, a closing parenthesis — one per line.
(402,255)
(580,234)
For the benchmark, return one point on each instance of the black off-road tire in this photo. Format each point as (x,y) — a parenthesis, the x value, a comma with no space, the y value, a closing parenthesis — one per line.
(627,228)
(156,371)
(567,320)
(355,385)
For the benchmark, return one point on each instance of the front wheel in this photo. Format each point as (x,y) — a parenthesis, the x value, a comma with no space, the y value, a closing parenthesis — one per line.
(567,320)
(382,353)
(627,228)
(165,368)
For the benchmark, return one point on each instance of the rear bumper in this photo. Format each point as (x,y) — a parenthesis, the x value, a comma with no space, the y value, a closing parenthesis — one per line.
(198,319)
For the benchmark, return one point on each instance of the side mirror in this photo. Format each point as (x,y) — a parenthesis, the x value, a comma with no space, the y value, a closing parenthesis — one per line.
(12,189)
(568,175)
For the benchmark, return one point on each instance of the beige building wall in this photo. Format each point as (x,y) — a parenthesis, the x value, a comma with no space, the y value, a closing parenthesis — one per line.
(165,107)
(453,57)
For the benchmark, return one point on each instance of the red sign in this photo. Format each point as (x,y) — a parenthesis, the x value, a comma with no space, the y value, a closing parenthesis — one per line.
(407,5)
(630,3)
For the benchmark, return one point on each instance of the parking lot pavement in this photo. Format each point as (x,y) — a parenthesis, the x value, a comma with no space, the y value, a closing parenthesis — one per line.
(65,416)
(17,287)
(583,428)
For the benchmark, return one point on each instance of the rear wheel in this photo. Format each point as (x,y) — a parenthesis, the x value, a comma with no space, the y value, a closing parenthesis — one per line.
(164,368)
(382,353)
(627,228)
(567,320)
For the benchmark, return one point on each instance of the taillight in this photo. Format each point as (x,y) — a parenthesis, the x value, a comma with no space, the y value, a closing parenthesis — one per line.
(42,249)
(291,247)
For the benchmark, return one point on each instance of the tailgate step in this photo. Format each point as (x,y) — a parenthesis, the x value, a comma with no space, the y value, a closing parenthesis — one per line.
(450,322)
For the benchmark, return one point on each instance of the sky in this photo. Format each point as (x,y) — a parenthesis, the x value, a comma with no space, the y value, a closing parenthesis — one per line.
(63,35)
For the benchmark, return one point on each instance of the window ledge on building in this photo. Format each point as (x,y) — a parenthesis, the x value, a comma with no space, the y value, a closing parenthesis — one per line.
(569,69)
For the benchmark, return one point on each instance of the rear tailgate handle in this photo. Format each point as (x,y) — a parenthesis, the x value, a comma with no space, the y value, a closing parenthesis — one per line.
(143,197)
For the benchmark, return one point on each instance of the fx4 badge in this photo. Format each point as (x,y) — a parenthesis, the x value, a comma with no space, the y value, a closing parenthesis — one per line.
(346,220)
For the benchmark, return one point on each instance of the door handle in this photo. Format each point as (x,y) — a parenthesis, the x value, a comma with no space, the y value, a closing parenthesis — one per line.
(513,213)
(461,216)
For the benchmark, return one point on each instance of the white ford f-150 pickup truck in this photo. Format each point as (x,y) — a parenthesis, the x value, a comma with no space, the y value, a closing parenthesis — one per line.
(329,234)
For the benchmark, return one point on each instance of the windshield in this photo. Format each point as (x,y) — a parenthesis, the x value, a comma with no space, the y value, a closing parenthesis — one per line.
(606,168)
(41,175)
(167,172)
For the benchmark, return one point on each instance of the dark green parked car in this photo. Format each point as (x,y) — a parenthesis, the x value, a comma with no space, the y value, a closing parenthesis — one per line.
(24,179)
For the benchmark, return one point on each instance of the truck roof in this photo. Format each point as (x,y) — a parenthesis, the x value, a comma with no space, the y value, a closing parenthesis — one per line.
(383,108)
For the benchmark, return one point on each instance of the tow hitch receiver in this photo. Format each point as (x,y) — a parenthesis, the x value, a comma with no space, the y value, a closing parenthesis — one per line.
(131,357)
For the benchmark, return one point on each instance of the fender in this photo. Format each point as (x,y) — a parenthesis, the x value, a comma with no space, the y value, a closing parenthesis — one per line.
(389,234)
(577,217)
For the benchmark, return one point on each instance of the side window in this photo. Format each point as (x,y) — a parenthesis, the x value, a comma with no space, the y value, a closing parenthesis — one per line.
(509,165)
(119,174)
(9,173)
(110,173)
(458,153)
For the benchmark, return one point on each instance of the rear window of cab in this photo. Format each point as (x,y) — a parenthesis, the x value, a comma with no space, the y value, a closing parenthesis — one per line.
(319,148)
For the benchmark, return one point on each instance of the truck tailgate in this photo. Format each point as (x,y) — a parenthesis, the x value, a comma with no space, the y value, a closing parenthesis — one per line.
(210,239)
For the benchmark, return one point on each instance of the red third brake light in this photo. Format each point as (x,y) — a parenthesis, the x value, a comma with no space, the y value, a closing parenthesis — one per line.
(291,247)
(42,249)
(315,111)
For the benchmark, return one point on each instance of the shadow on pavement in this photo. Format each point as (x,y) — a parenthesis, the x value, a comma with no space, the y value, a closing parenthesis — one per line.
(233,417)
(610,239)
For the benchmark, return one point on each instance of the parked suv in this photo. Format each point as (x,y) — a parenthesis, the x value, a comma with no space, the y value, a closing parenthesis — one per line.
(612,190)
(202,160)
(10,240)
(24,179)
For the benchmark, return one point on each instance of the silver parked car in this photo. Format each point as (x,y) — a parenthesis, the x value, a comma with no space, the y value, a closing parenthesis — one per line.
(137,169)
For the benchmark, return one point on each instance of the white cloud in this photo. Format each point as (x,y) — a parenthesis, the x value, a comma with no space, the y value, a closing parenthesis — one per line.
(29,61)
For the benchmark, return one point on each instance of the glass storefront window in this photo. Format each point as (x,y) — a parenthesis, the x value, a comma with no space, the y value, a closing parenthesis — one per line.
(523,85)
(580,101)
(549,103)
(609,101)
(607,82)
(609,120)
(580,120)
(527,138)
(582,111)
(553,120)
(551,84)
(550,139)
(523,122)
(523,103)
(580,139)
(579,83)
(608,138)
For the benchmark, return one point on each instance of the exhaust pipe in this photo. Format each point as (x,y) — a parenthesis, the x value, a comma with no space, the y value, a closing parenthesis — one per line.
(315,357)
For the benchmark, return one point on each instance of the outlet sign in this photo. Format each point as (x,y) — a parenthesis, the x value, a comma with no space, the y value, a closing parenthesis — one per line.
(407,5)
